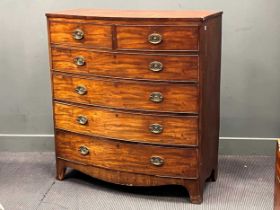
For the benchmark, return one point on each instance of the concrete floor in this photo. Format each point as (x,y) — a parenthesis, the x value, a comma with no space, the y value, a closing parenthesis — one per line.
(27,182)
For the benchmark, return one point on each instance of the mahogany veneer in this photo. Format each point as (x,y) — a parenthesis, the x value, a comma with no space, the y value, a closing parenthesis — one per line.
(181,68)
(175,37)
(123,94)
(277,178)
(136,95)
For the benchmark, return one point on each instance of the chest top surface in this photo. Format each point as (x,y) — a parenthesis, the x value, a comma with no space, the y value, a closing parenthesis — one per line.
(135,14)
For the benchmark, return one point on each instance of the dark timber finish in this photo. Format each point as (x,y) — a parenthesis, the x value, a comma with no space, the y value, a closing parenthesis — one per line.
(277,178)
(119,119)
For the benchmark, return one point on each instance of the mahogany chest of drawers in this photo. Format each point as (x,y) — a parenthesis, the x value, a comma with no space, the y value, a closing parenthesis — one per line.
(277,178)
(136,95)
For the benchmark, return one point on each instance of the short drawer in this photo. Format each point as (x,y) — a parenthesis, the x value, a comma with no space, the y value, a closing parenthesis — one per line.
(125,94)
(155,38)
(125,65)
(129,157)
(128,126)
(82,35)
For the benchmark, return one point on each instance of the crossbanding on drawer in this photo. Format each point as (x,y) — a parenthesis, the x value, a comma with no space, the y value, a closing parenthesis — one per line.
(129,126)
(124,94)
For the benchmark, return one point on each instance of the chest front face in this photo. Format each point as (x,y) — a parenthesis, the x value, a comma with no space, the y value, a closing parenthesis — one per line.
(133,96)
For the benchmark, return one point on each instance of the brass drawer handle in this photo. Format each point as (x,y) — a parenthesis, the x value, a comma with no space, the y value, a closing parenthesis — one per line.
(156,128)
(84,150)
(78,34)
(82,120)
(156,97)
(156,66)
(81,90)
(157,161)
(155,38)
(79,61)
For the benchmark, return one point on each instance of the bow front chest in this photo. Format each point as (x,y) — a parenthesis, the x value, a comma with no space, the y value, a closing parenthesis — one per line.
(136,95)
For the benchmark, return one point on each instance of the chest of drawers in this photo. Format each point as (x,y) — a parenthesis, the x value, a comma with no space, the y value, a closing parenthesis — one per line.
(136,95)
(277,178)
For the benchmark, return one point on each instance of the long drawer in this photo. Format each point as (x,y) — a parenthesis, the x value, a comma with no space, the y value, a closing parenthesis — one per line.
(161,97)
(128,126)
(129,157)
(126,65)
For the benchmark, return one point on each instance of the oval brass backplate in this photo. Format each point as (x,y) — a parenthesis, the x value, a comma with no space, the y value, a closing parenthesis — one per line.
(84,150)
(156,97)
(82,120)
(157,161)
(155,38)
(156,66)
(79,61)
(81,90)
(78,34)
(156,128)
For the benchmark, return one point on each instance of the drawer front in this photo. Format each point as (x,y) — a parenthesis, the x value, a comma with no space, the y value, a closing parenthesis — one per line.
(125,94)
(157,37)
(82,35)
(137,66)
(129,157)
(164,129)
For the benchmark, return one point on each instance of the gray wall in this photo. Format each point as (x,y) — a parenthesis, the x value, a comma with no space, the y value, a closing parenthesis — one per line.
(250,98)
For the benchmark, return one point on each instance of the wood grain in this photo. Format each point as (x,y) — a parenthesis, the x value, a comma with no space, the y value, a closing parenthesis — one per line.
(96,36)
(125,156)
(132,179)
(117,76)
(112,21)
(136,66)
(173,37)
(277,178)
(210,66)
(197,15)
(125,94)
(127,126)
